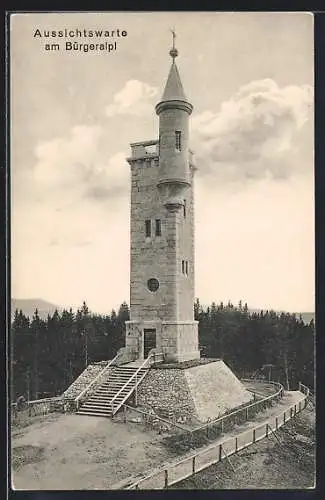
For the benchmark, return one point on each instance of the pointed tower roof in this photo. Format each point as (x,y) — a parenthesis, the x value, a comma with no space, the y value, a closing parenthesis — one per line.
(174,89)
(174,95)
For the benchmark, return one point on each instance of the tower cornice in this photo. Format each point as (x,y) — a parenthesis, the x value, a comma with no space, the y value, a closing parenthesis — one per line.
(174,104)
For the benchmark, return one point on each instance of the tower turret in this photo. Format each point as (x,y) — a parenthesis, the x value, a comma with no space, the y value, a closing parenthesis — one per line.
(174,109)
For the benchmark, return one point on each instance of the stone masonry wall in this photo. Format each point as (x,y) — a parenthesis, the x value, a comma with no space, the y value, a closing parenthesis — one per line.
(215,389)
(83,380)
(166,390)
(201,392)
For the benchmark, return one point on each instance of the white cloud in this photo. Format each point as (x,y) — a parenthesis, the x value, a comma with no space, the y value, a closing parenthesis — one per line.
(66,230)
(256,132)
(132,99)
(79,166)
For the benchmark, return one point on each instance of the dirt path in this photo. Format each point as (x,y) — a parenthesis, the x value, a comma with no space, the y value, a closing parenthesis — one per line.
(64,452)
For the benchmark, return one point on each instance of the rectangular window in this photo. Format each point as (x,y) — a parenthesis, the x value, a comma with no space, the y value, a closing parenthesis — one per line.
(186,268)
(183,266)
(178,140)
(148,228)
(158,227)
(184,209)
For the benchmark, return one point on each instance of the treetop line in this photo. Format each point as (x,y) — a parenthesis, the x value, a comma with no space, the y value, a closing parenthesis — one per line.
(47,355)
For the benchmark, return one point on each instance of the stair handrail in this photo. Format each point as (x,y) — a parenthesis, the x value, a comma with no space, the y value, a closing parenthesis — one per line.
(94,380)
(135,374)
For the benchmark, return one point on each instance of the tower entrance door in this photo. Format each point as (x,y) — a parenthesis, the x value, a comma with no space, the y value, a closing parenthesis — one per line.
(149,340)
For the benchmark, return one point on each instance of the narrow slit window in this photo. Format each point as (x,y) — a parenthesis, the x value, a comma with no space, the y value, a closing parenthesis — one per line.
(186,268)
(158,227)
(183,266)
(178,140)
(184,209)
(148,228)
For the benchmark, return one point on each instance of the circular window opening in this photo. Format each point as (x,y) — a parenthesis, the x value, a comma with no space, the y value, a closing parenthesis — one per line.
(153,284)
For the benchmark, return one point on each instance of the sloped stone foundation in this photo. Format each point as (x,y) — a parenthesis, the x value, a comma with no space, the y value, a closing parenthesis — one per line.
(201,392)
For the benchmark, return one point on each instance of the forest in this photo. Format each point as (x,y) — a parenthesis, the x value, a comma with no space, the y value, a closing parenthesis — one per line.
(47,355)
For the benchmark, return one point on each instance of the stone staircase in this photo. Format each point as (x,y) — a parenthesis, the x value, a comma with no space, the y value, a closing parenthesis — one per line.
(110,396)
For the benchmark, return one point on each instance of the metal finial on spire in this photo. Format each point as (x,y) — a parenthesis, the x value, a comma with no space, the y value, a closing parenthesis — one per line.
(173,52)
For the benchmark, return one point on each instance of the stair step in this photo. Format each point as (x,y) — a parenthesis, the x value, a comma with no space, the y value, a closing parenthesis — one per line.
(109,389)
(117,388)
(97,407)
(94,414)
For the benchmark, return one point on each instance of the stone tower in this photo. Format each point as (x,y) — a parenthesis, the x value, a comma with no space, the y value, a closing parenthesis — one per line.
(162,234)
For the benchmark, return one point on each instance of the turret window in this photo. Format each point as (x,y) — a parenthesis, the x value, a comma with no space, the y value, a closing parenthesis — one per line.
(148,228)
(178,140)
(184,209)
(158,227)
(185,267)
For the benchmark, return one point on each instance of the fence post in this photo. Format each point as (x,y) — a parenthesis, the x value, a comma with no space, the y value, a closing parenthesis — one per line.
(284,417)
(222,426)
(266,430)
(246,413)
(193,465)
(236,445)
(220,452)
(166,478)
(124,413)
(254,435)
(299,405)
(276,423)
(136,391)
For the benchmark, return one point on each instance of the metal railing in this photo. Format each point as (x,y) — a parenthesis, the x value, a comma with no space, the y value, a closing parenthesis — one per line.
(77,400)
(135,379)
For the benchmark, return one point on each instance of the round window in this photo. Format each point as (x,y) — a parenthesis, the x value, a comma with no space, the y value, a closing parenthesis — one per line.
(153,284)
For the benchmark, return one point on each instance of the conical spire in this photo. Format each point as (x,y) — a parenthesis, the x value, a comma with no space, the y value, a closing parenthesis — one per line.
(174,89)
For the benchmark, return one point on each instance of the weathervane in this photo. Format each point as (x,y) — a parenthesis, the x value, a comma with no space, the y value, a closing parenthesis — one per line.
(173,52)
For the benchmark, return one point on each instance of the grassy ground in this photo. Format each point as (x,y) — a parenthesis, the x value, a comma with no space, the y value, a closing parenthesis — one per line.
(268,464)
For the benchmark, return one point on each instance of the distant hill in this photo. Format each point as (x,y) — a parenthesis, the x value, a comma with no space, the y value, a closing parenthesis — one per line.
(28,307)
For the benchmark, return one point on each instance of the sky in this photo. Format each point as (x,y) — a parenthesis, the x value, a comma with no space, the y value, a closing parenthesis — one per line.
(250,79)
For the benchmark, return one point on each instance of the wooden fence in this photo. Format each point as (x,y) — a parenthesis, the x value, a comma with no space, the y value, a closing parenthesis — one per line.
(216,426)
(175,472)
(36,408)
